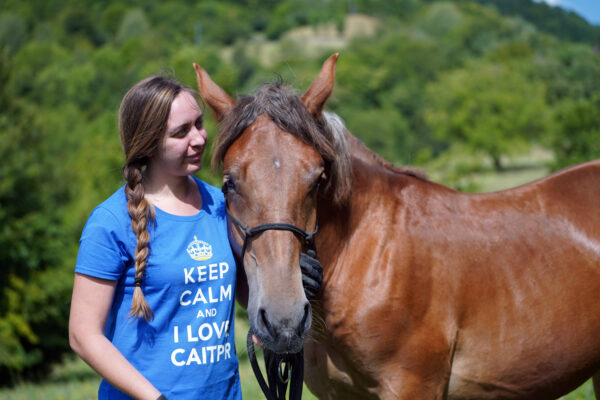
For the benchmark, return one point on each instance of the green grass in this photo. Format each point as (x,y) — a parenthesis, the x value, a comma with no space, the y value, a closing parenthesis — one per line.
(584,392)
(75,380)
(469,172)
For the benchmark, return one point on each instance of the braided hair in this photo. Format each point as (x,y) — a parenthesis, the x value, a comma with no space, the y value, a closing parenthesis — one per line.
(143,118)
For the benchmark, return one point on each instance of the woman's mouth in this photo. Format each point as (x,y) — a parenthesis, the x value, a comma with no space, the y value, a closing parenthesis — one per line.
(194,157)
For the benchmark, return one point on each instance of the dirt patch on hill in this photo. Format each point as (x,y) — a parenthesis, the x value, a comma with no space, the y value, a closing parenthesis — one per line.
(309,41)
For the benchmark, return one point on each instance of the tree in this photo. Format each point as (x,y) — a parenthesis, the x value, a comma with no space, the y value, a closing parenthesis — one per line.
(577,131)
(35,242)
(489,107)
(13,32)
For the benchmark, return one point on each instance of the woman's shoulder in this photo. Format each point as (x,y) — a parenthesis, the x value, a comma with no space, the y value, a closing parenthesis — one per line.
(213,199)
(106,242)
(114,207)
(207,186)
(210,190)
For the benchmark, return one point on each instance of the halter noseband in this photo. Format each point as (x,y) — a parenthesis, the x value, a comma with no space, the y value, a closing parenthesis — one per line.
(307,238)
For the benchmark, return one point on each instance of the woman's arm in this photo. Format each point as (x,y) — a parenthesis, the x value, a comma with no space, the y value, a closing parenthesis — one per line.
(91,302)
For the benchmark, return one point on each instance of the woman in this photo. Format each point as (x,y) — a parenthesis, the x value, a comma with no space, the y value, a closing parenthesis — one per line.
(153,298)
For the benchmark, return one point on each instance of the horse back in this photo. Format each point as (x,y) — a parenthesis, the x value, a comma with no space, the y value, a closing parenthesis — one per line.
(575,192)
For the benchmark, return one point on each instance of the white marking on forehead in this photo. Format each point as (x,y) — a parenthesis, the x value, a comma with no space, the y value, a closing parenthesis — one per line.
(276,163)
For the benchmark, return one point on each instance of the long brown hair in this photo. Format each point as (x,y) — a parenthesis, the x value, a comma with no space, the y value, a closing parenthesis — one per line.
(143,118)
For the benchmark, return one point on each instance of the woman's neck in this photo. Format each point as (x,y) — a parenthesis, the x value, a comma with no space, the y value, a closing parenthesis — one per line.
(177,195)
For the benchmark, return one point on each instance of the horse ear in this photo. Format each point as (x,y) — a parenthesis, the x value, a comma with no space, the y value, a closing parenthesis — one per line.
(316,95)
(218,100)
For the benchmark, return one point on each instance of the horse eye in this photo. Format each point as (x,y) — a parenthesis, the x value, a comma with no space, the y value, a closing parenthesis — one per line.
(227,186)
(317,183)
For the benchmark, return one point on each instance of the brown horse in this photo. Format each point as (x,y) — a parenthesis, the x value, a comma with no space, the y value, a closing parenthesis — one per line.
(428,293)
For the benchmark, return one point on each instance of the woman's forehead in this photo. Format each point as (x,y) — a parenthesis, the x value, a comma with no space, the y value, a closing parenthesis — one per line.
(183,108)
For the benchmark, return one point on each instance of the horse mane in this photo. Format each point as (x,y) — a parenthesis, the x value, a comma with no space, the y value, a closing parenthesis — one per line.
(328,135)
(377,159)
(286,110)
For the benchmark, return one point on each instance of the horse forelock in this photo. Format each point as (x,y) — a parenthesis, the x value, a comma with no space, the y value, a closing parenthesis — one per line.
(286,110)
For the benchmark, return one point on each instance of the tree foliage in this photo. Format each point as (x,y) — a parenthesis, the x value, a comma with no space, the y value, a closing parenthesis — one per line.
(489,76)
(489,107)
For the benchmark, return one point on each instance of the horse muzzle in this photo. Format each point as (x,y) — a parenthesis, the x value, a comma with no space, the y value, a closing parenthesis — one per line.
(282,332)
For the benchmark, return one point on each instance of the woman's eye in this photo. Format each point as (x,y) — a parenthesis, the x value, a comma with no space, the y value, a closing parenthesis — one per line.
(199,123)
(181,132)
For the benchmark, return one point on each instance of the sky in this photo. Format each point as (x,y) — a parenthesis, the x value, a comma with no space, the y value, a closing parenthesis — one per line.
(588,9)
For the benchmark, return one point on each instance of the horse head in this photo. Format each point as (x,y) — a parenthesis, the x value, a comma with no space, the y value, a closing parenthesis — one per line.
(274,157)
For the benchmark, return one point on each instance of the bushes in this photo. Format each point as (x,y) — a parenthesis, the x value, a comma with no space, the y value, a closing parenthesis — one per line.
(36,245)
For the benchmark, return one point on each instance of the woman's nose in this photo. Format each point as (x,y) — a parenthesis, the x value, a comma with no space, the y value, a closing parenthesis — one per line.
(198,136)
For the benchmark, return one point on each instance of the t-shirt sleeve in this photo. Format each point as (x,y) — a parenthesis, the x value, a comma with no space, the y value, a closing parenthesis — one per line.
(102,247)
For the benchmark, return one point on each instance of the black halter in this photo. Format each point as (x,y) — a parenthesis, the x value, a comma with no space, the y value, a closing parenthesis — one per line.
(308,239)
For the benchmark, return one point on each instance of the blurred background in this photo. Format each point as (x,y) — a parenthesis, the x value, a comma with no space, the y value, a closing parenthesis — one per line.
(480,94)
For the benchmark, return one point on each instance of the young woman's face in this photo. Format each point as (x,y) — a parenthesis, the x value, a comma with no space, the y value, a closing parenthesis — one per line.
(180,152)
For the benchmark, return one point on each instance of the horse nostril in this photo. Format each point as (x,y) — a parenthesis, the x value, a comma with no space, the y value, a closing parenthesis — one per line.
(302,326)
(263,316)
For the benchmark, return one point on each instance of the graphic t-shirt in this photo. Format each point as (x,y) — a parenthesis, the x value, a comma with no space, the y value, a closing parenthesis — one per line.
(187,351)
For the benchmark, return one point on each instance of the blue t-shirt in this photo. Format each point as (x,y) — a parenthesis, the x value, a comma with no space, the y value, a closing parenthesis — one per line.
(188,350)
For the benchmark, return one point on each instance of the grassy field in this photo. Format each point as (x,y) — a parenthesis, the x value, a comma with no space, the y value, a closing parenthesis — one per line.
(74,380)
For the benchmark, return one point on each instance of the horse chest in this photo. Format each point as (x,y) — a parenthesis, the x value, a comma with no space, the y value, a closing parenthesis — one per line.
(348,359)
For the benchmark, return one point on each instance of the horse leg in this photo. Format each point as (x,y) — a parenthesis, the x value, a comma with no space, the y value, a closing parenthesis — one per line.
(596,381)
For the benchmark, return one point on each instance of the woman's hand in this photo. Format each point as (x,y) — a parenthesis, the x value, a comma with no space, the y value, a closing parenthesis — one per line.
(312,273)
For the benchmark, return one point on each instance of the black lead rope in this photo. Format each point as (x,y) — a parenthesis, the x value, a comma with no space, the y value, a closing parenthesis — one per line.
(282,369)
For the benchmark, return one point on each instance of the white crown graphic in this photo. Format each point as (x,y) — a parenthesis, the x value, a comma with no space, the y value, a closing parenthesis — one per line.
(199,250)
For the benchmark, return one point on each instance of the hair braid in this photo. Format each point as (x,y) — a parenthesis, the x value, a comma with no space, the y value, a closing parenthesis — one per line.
(143,120)
(141,212)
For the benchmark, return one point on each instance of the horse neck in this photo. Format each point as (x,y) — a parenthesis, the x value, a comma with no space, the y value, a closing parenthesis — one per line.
(370,176)
(362,154)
